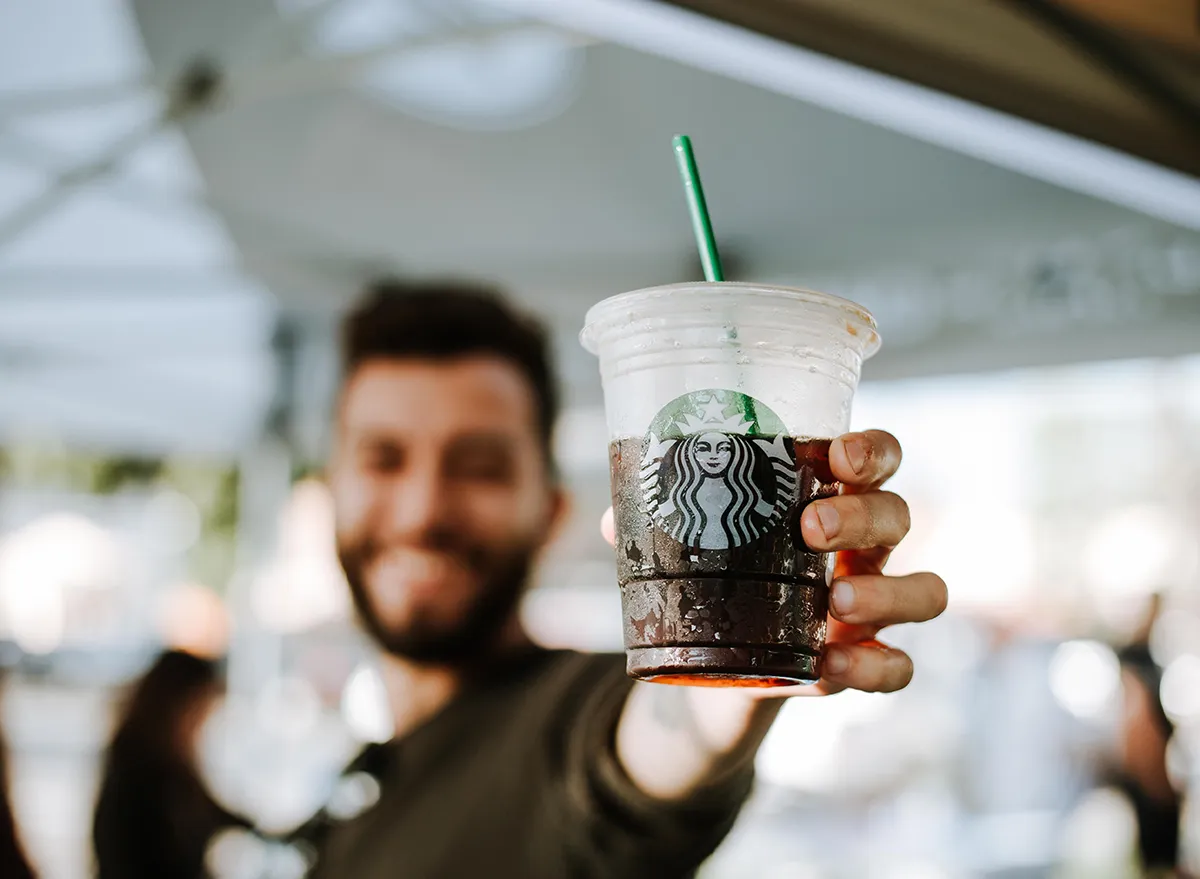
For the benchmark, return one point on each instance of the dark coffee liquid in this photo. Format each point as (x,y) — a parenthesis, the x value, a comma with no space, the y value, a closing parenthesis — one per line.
(714,592)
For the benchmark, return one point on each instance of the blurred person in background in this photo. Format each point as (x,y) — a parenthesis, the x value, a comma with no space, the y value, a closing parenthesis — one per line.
(155,817)
(1026,761)
(13,862)
(1146,731)
(510,760)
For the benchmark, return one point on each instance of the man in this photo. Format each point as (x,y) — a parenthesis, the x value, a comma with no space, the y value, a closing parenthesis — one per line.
(509,760)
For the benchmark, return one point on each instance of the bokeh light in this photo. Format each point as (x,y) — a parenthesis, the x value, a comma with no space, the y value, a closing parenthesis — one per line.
(1160,539)
(41,563)
(1085,678)
(365,705)
(1180,691)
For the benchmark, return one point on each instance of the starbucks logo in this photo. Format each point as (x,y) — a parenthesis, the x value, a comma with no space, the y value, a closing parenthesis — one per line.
(719,470)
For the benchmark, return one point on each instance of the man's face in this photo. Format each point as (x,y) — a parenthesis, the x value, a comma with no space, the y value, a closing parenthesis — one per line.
(442,500)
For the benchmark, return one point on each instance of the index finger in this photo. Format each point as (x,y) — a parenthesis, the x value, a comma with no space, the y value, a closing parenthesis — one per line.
(864,461)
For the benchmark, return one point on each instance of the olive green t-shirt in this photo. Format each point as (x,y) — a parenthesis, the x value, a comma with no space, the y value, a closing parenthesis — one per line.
(518,777)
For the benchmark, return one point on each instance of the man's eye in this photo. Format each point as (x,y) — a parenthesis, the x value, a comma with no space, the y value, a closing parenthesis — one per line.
(487,467)
(382,459)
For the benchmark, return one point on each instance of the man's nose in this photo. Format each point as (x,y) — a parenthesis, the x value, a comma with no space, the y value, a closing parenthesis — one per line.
(419,505)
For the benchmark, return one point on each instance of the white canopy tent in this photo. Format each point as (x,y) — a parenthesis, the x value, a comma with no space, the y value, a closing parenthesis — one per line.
(180,180)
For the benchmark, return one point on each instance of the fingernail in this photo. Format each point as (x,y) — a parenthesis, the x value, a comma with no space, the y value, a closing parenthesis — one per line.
(836,661)
(856,453)
(828,517)
(842,597)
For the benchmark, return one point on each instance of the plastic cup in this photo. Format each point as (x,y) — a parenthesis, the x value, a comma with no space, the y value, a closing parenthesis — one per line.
(721,401)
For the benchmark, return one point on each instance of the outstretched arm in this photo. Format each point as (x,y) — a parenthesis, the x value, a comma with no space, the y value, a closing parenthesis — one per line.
(672,741)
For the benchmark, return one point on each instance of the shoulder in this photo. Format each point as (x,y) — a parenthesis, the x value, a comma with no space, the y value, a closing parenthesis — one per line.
(559,674)
(573,666)
(578,677)
(562,686)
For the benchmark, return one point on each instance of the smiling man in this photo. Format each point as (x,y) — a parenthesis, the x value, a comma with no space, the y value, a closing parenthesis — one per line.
(510,760)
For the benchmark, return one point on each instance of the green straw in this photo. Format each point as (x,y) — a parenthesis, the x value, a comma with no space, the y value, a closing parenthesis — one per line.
(701,224)
(706,242)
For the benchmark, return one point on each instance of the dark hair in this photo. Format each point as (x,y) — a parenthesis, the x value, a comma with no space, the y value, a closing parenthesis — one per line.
(442,320)
(147,730)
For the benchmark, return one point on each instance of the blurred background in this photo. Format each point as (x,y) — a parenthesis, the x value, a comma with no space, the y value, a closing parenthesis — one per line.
(192,193)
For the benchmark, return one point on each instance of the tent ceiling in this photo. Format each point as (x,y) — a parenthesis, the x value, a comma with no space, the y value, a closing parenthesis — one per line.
(125,324)
(325,185)
(1125,73)
(352,137)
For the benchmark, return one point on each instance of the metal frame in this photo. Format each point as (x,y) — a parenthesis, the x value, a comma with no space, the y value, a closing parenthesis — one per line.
(922,113)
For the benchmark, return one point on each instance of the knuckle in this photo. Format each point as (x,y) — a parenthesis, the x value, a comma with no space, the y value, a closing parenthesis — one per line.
(875,597)
(879,518)
(860,508)
(889,600)
(865,518)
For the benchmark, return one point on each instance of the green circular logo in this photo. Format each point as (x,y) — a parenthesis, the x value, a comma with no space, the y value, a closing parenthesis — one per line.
(719,470)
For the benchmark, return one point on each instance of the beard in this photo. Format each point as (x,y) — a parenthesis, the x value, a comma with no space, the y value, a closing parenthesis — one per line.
(501,578)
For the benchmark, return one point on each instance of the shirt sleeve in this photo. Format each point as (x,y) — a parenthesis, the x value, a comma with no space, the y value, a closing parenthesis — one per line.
(615,829)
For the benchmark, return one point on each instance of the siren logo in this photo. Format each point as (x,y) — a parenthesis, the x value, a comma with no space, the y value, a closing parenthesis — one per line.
(719,470)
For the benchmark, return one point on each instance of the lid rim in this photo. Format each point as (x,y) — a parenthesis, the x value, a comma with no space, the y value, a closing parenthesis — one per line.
(602,312)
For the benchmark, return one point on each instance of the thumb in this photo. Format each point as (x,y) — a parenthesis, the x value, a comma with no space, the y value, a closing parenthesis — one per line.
(607,528)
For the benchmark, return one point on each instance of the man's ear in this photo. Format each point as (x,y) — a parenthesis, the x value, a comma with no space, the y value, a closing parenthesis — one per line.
(558,513)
